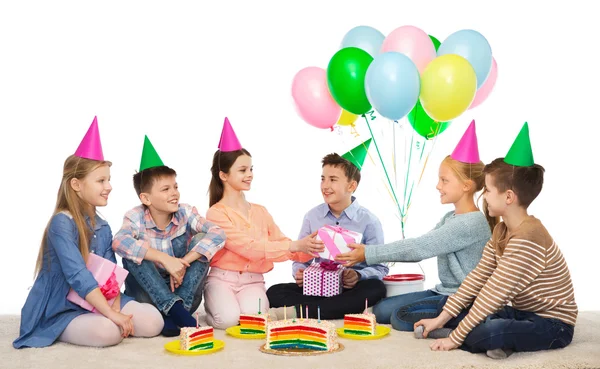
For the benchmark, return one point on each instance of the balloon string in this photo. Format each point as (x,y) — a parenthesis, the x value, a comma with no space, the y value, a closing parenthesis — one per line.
(354,131)
(382,164)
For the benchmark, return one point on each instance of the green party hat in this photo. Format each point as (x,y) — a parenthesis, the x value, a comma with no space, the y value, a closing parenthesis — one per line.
(150,158)
(358,154)
(520,154)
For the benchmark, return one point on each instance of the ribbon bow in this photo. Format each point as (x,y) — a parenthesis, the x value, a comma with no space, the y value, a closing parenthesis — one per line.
(329,241)
(328,265)
(110,289)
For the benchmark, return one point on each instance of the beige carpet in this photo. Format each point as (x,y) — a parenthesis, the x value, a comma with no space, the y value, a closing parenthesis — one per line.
(398,350)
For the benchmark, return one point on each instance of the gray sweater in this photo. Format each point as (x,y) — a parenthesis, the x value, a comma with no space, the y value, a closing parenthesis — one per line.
(457,241)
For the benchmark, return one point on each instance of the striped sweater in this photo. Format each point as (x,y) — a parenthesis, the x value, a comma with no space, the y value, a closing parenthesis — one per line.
(531,274)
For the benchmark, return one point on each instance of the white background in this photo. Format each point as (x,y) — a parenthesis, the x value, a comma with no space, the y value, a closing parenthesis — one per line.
(174,70)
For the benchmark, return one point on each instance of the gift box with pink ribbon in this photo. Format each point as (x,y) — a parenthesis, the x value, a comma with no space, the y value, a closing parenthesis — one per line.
(323,279)
(336,240)
(110,278)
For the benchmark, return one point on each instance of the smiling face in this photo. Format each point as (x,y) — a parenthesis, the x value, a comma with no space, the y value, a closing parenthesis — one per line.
(335,186)
(95,187)
(163,196)
(497,202)
(240,174)
(451,188)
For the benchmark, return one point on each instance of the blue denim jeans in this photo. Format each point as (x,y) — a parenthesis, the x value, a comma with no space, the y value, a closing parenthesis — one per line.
(386,310)
(147,283)
(517,330)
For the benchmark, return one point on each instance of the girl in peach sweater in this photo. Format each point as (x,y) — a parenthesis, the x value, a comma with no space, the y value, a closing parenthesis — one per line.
(254,242)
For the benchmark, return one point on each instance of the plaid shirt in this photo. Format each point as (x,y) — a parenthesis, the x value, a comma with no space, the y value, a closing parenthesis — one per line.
(139,232)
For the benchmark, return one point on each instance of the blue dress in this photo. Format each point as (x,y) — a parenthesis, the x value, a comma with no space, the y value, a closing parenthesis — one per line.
(47,312)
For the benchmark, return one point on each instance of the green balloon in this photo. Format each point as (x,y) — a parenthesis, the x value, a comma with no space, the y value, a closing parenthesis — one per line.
(423,124)
(436,42)
(346,79)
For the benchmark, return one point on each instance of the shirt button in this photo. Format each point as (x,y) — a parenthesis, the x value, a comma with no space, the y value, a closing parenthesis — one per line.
(94,236)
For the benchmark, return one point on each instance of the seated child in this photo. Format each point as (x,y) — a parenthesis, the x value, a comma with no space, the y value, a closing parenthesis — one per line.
(457,241)
(166,246)
(74,231)
(520,296)
(236,284)
(340,178)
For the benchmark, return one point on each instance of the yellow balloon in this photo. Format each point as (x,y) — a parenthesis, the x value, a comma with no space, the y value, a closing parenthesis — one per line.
(448,86)
(346,118)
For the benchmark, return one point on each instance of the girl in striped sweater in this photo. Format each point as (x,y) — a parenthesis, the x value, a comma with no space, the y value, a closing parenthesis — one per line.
(521,266)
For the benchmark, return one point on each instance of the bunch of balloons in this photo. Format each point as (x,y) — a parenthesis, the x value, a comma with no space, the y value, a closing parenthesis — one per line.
(406,74)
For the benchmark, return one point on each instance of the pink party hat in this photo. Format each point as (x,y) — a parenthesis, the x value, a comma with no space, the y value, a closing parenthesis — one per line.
(90,147)
(467,151)
(228,141)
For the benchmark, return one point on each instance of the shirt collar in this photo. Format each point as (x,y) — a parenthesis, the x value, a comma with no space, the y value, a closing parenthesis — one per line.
(99,222)
(150,222)
(350,211)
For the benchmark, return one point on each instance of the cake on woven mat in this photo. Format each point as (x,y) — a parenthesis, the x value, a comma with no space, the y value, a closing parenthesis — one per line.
(359,324)
(307,334)
(253,323)
(196,338)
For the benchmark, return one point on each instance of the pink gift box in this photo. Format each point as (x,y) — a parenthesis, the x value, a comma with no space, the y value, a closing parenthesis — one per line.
(102,269)
(336,240)
(323,279)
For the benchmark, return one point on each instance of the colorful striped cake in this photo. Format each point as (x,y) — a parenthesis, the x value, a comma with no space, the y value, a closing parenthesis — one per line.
(194,339)
(306,334)
(359,324)
(253,323)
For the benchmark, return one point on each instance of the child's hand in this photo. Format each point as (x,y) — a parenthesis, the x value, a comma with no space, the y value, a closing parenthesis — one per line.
(308,245)
(429,325)
(357,255)
(443,344)
(124,322)
(175,267)
(299,277)
(350,278)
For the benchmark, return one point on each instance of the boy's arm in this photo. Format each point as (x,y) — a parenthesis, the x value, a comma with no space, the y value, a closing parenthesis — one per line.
(373,236)
(522,262)
(213,240)
(129,242)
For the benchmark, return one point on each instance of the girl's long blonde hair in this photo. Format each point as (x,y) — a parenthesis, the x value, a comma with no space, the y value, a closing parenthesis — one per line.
(473,172)
(68,200)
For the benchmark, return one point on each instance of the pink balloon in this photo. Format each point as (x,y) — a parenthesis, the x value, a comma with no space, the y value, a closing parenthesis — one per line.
(484,91)
(312,98)
(412,42)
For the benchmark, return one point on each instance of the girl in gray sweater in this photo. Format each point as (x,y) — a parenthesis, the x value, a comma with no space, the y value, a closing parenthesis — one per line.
(457,241)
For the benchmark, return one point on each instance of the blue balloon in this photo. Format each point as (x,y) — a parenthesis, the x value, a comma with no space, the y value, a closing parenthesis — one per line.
(392,84)
(364,37)
(472,46)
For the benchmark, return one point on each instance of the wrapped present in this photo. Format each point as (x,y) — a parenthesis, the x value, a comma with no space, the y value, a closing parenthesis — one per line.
(110,278)
(336,240)
(323,279)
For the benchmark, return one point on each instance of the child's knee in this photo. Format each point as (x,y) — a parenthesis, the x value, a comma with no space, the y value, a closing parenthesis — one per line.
(224,319)
(107,333)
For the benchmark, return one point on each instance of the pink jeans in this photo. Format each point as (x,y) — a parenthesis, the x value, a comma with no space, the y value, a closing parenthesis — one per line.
(228,294)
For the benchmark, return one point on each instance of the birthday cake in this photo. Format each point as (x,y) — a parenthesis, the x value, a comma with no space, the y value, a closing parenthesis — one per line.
(304,334)
(359,324)
(253,323)
(194,339)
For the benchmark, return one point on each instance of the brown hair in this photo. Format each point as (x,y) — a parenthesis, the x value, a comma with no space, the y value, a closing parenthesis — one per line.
(143,181)
(472,172)
(525,182)
(67,200)
(222,162)
(350,170)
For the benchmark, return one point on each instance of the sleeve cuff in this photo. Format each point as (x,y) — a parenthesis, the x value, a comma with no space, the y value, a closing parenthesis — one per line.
(371,256)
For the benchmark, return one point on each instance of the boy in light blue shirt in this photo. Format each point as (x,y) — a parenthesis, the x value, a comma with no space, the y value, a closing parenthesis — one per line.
(339,180)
